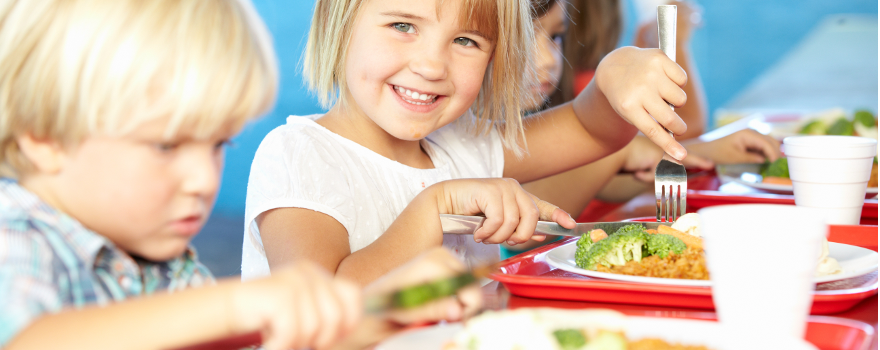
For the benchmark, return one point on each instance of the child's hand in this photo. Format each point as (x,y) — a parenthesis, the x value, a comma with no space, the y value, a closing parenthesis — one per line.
(511,212)
(430,266)
(638,83)
(744,146)
(300,306)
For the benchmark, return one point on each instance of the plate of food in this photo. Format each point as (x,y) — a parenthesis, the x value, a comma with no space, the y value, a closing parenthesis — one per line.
(673,255)
(774,177)
(550,328)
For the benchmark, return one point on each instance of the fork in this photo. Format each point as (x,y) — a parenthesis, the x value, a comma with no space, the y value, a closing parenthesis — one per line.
(670,178)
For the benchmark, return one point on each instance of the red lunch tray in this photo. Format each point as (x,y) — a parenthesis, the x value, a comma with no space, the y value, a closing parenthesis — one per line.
(706,190)
(529,275)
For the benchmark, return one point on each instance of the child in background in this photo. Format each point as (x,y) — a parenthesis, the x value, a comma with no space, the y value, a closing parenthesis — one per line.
(113,118)
(574,189)
(426,121)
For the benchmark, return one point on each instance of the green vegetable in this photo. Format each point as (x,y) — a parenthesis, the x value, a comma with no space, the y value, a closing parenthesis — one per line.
(418,295)
(816,127)
(779,168)
(622,246)
(843,127)
(865,118)
(661,245)
(570,339)
(607,341)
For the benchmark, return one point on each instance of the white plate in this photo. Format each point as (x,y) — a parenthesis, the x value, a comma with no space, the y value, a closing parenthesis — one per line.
(750,175)
(683,331)
(855,261)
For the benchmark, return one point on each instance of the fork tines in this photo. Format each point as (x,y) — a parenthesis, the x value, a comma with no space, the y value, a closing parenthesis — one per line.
(670,190)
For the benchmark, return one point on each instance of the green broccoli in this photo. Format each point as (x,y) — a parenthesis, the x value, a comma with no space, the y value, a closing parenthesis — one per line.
(865,118)
(816,127)
(779,168)
(843,127)
(583,246)
(620,247)
(570,339)
(661,245)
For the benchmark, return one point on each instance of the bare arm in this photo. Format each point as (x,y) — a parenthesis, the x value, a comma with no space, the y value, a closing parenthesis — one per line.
(290,234)
(300,306)
(144,323)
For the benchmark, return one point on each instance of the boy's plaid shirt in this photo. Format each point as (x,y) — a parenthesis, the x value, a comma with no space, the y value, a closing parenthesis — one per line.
(49,262)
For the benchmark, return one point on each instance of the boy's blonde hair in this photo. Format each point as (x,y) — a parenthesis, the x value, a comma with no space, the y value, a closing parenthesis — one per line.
(74,68)
(505,89)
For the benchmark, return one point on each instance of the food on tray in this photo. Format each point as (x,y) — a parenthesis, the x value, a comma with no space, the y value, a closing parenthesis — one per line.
(836,122)
(777,173)
(666,252)
(688,223)
(632,250)
(548,328)
(827,265)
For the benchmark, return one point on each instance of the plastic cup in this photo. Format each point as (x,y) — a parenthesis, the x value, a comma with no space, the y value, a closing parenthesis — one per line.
(831,173)
(762,259)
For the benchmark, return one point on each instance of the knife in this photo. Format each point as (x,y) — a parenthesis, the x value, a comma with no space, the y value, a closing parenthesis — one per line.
(467,225)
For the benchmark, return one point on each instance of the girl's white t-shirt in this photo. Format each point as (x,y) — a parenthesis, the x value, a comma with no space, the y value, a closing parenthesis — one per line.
(303,165)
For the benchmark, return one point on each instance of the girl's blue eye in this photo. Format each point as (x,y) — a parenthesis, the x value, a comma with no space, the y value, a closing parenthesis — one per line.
(404,27)
(464,41)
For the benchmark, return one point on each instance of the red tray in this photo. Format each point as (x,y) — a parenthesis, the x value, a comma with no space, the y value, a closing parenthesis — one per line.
(706,190)
(529,275)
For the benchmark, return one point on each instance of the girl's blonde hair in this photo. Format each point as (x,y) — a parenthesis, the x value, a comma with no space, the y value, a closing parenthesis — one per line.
(505,89)
(74,68)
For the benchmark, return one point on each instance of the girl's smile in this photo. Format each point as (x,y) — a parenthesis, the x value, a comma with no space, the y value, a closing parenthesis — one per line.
(415,100)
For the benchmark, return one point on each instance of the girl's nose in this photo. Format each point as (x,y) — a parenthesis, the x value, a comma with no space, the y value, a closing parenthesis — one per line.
(545,56)
(429,65)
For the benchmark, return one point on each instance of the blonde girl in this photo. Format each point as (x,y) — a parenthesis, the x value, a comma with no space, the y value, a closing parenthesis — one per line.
(425,101)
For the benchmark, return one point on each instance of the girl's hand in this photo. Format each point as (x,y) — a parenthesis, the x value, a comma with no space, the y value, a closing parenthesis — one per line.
(511,212)
(300,306)
(430,266)
(638,83)
(744,146)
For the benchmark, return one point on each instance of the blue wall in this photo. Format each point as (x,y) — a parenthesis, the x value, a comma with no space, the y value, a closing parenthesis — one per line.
(739,40)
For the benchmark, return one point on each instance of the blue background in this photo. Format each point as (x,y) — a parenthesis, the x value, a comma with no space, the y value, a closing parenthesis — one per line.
(739,40)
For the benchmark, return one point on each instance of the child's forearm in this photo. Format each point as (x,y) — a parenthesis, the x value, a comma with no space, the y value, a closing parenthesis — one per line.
(154,322)
(415,230)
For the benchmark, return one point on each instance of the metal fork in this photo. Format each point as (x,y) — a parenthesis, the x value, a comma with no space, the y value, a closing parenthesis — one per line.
(670,178)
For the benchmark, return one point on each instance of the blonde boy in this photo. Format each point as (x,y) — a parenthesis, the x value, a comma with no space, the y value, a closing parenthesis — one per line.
(113,117)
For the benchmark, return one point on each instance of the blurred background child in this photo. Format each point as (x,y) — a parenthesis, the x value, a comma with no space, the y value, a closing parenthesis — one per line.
(113,119)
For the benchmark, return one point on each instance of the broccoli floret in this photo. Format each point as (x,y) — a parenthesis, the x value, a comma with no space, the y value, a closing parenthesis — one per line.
(865,118)
(661,245)
(583,246)
(816,127)
(779,168)
(570,339)
(841,126)
(620,247)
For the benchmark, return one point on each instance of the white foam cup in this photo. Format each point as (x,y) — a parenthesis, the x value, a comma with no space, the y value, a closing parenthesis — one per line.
(831,173)
(762,260)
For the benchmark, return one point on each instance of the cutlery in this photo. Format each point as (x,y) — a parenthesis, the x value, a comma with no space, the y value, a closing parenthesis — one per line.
(670,177)
(420,294)
(467,225)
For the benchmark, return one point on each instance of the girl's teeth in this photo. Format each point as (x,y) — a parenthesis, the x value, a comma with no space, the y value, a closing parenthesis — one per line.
(408,93)
(416,95)
(423,97)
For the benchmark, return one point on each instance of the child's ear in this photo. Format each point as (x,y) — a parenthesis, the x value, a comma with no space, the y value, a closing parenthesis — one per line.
(45,155)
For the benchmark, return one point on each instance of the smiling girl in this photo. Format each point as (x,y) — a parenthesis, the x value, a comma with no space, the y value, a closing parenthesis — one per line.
(426,119)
